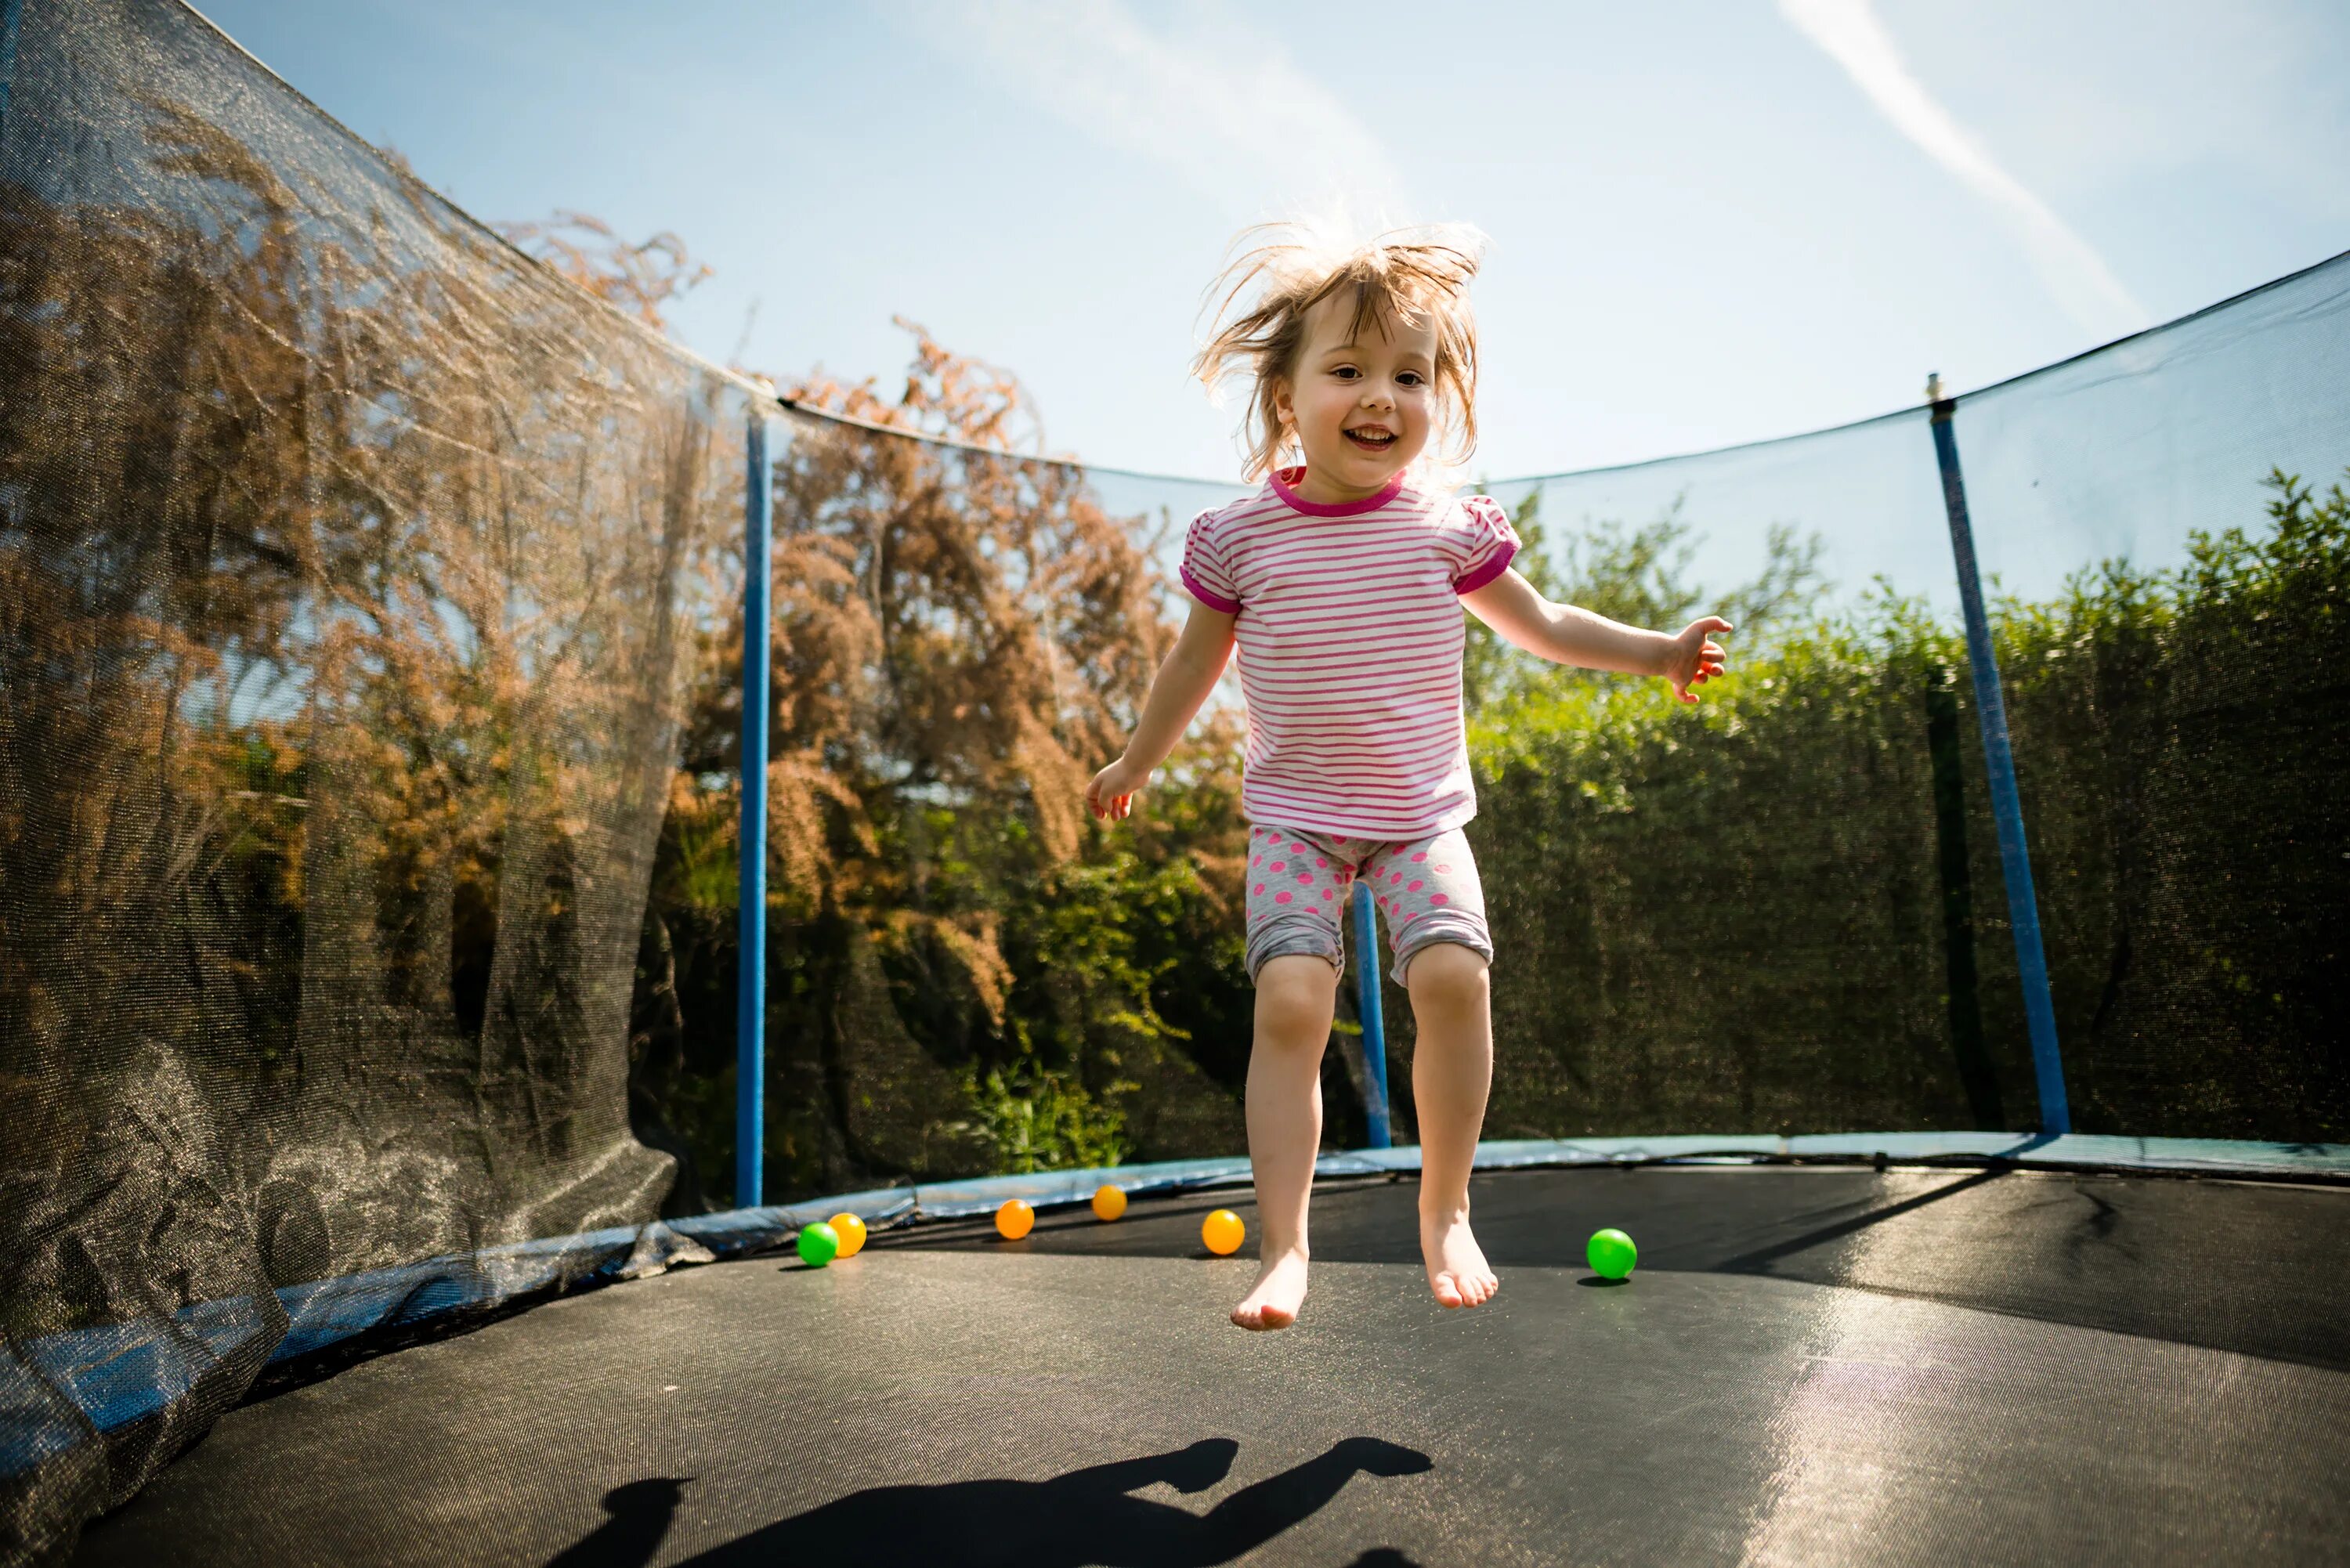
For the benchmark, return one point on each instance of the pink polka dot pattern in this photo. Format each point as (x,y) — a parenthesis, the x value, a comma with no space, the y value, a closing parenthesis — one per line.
(1299,892)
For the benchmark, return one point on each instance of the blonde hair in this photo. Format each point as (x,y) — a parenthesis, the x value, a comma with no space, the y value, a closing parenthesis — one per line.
(1402,275)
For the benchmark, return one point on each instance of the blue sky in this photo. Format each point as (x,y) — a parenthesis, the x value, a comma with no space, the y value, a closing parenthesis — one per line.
(1711,222)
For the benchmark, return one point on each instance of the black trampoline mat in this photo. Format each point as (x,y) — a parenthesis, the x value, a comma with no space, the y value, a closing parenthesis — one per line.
(1940,1366)
(2255,1267)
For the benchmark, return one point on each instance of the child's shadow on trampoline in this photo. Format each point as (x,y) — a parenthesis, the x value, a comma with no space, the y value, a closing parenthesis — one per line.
(1083,1516)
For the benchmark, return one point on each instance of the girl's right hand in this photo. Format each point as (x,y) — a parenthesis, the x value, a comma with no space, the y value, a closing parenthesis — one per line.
(1111,795)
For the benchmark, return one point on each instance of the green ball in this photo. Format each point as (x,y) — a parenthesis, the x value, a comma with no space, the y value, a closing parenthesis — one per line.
(819,1244)
(1611,1254)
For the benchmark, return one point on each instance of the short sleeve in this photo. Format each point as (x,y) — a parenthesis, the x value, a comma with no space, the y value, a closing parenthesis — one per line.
(1483,543)
(1207,573)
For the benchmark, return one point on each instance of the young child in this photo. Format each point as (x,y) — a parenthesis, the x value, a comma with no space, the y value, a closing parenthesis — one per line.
(1340,582)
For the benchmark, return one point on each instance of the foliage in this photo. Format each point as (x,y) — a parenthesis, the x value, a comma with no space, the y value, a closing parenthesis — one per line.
(637,279)
(1639,574)
(965,975)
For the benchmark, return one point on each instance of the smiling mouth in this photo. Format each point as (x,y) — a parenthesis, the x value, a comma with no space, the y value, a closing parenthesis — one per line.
(1371,437)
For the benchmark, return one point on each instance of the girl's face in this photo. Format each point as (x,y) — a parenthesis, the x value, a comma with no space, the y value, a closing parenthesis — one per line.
(1361,405)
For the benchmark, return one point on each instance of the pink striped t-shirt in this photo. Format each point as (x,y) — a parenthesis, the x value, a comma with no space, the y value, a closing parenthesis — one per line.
(1350,635)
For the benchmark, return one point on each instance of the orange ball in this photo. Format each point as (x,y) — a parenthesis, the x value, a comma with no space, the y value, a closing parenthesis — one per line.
(1223,1232)
(851,1232)
(1109,1202)
(1014,1220)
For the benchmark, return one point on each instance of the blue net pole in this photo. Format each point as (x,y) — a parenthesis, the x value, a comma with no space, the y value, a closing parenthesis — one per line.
(1375,1038)
(1999,766)
(751,987)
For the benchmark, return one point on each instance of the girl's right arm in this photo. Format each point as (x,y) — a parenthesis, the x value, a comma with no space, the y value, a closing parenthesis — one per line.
(1183,682)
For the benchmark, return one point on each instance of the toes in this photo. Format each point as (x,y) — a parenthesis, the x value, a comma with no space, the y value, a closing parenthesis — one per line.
(1260,1319)
(1465,1290)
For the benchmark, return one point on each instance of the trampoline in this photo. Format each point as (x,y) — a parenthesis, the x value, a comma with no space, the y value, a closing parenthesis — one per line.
(370,723)
(1928,1365)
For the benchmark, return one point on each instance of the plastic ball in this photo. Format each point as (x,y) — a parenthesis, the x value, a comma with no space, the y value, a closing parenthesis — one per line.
(819,1244)
(1014,1220)
(851,1232)
(1611,1254)
(1109,1202)
(1223,1232)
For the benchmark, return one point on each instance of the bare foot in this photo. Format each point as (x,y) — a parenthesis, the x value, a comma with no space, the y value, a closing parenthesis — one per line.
(1279,1292)
(1456,1270)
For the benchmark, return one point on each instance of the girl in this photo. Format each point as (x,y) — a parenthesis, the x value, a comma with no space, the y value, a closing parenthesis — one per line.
(1340,581)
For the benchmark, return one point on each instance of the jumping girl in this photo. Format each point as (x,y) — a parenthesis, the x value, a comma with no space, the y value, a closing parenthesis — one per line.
(1340,582)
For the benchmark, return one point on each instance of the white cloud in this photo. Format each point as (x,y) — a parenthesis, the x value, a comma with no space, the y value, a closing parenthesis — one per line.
(1849,32)
(1219,104)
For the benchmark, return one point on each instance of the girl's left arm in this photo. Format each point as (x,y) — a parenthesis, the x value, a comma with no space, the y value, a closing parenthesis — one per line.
(1565,635)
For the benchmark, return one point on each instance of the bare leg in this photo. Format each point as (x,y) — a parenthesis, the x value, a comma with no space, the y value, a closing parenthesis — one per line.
(1296,996)
(1452,1072)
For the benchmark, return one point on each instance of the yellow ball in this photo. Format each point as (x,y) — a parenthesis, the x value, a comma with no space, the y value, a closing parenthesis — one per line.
(1109,1202)
(1012,1221)
(1223,1232)
(851,1232)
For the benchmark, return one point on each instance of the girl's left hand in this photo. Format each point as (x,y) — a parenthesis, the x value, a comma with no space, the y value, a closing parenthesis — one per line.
(1695,655)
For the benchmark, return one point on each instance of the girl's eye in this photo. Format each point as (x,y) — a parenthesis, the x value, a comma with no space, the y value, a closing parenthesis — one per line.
(1410,379)
(1346,372)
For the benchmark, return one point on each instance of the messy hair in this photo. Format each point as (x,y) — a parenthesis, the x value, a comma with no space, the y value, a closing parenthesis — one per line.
(1262,300)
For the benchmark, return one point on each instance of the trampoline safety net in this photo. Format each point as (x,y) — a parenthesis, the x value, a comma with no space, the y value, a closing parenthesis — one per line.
(369,627)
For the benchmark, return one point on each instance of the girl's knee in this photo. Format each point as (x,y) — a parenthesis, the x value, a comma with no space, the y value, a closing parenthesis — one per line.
(1446,974)
(1295,996)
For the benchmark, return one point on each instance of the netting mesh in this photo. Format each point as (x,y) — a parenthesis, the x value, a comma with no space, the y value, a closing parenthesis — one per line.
(1768,913)
(2167,521)
(1787,913)
(348,569)
(369,629)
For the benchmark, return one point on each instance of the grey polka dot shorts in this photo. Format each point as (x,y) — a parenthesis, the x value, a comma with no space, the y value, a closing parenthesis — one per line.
(1300,886)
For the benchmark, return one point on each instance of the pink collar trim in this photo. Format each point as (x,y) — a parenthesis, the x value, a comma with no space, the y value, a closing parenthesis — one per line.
(1282,479)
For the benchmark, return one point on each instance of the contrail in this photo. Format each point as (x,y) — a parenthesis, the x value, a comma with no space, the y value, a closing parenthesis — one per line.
(1850,34)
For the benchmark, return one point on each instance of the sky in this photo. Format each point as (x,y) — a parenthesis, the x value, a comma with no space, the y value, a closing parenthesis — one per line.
(1709,222)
